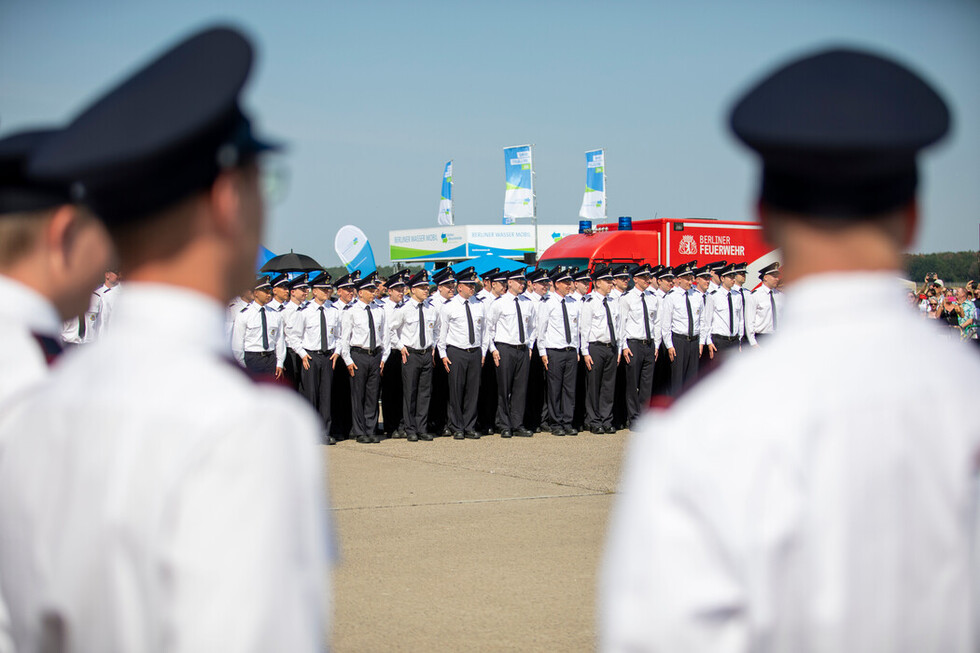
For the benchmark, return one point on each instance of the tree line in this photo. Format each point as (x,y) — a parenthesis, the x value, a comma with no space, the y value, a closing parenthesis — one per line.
(948,266)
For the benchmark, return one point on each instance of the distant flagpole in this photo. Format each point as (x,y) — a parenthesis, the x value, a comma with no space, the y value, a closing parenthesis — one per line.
(446,216)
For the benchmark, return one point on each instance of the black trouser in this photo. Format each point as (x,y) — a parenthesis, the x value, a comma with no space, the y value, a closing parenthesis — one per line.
(391,393)
(316,383)
(340,401)
(684,367)
(536,404)
(440,398)
(261,362)
(601,385)
(759,337)
(724,344)
(620,413)
(364,387)
(511,385)
(581,394)
(417,390)
(661,373)
(639,377)
(562,367)
(464,384)
(292,369)
(486,404)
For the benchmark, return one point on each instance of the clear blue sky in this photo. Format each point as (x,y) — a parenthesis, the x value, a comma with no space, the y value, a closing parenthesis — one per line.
(374,97)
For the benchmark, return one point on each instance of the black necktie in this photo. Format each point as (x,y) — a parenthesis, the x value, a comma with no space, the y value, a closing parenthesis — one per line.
(690,315)
(374,338)
(81,326)
(323,330)
(646,315)
(421,327)
(745,317)
(520,319)
(731,314)
(265,330)
(469,321)
(609,322)
(568,328)
(772,302)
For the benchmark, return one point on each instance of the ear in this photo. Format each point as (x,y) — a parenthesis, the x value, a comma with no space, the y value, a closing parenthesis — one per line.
(910,223)
(225,200)
(60,235)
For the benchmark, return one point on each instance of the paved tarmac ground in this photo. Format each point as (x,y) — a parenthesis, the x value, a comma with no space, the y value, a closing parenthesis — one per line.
(471,545)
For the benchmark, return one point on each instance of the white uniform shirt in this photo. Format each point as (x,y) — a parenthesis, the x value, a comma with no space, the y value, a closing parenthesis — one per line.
(615,293)
(717,320)
(305,334)
(502,320)
(23,312)
(594,323)
(837,515)
(631,309)
(288,314)
(405,325)
(454,329)
(356,332)
(92,318)
(247,333)
(551,323)
(484,295)
(109,297)
(235,306)
(275,305)
(156,498)
(758,312)
(673,314)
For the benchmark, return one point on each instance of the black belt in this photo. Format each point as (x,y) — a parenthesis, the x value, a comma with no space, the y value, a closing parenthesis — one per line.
(468,351)
(684,336)
(601,344)
(322,352)
(419,352)
(507,344)
(261,353)
(718,336)
(642,341)
(561,348)
(366,352)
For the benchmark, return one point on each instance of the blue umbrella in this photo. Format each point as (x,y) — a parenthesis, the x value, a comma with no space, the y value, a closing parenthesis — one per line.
(488,262)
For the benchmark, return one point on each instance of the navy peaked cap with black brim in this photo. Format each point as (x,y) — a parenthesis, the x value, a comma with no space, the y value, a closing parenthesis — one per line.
(838,132)
(163,134)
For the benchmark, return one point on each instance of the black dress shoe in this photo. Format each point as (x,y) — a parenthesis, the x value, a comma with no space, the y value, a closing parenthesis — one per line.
(472,435)
(412,437)
(505,433)
(610,429)
(399,433)
(523,433)
(447,432)
(571,431)
(363,439)
(376,439)
(331,440)
(458,435)
(558,431)
(425,436)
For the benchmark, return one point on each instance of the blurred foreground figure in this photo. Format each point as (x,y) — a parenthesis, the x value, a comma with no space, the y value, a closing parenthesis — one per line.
(836,515)
(146,504)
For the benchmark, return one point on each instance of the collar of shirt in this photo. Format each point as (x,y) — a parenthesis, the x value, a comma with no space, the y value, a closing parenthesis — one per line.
(28,307)
(200,323)
(816,299)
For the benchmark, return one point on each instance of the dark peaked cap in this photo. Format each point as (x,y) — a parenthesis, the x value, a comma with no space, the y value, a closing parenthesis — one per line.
(19,192)
(161,135)
(838,132)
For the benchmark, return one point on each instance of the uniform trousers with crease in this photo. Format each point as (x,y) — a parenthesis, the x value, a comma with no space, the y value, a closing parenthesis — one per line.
(486,411)
(417,390)
(316,383)
(464,385)
(639,377)
(562,370)
(391,393)
(364,388)
(511,385)
(684,367)
(601,385)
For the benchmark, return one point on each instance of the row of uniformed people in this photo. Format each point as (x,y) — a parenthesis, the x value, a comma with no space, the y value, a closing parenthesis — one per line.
(658,332)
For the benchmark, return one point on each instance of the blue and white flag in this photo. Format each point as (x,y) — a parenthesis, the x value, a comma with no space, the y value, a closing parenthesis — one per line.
(446,202)
(354,250)
(519,172)
(594,201)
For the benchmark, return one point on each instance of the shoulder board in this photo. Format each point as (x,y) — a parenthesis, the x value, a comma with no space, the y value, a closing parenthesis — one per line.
(713,292)
(347,306)
(587,298)
(245,309)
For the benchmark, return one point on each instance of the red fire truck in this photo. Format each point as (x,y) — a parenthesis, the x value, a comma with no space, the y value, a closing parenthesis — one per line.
(664,241)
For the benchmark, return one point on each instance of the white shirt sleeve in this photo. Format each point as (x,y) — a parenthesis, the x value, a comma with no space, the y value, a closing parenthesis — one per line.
(238,337)
(750,308)
(281,344)
(666,320)
(585,325)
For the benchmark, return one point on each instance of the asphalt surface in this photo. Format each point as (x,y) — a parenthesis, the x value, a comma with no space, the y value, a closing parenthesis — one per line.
(471,545)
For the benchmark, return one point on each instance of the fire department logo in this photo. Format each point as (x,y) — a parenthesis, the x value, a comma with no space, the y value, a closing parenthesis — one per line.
(688,246)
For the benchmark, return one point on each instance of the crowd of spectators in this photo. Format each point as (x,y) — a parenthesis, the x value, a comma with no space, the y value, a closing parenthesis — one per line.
(957,308)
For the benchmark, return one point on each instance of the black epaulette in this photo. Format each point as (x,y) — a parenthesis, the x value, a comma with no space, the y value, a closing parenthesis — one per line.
(587,298)
(713,292)
(244,309)
(347,306)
